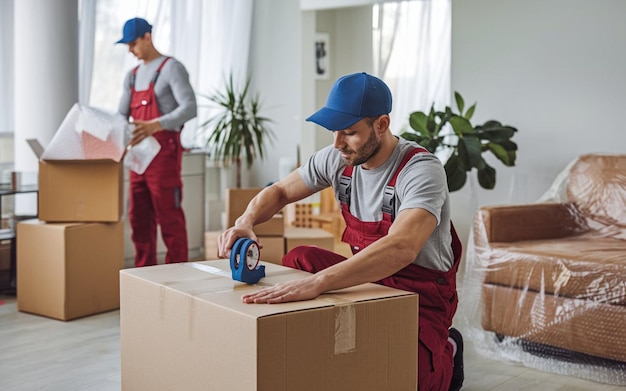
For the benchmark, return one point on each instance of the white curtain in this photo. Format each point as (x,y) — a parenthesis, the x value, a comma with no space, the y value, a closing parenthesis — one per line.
(212,39)
(6,67)
(86,38)
(412,51)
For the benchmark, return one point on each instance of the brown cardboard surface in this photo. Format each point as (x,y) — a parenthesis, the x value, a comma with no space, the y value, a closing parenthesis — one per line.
(210,245)
(80,191)
(236,202)
(296,236)
(275,226)
(273,249)
(362,338)
(68,270)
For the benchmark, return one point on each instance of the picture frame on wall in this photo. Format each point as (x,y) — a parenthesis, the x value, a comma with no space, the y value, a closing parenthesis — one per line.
(322,56)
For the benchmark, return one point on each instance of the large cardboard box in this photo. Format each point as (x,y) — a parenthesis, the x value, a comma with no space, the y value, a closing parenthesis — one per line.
(80,190)
(297,236)
(236,202)
(68,270)
(184,327)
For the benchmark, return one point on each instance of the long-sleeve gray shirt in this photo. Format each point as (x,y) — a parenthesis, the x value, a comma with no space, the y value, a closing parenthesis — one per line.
(175,97)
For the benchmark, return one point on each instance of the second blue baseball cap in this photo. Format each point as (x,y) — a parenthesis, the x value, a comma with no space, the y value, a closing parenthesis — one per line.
(134,28)
(352,98)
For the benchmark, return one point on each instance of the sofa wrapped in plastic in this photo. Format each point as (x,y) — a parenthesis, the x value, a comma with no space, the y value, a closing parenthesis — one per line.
(545,283)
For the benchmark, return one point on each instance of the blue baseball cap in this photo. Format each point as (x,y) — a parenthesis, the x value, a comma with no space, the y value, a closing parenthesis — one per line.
(352,98)
(135,28)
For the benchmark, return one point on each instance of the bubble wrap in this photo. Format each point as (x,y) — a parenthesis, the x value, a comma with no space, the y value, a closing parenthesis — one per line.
(544,284)
(88,133)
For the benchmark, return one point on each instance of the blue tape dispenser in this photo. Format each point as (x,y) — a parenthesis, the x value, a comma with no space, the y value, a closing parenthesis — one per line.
(244,261)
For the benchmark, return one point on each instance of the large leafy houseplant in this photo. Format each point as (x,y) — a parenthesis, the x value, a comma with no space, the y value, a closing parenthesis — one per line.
(465,142)
(236,130)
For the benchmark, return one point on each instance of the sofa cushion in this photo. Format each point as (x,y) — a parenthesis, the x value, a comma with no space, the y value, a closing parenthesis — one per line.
(583,267)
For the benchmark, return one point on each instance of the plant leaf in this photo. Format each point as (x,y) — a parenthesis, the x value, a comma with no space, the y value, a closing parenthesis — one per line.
(418,121)
(455,173)
(460,103)
(470,112)
(487,177)
(461,126)
(470,151)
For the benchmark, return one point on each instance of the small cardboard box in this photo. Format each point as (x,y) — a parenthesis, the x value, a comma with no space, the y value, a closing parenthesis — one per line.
(361,338)
(68,270)
(296,236)
(273,249)
(79,190)
(236,202)
(210,245)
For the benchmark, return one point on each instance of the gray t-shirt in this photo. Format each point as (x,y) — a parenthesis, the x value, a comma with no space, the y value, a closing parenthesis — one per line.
(421,184)
(174,95)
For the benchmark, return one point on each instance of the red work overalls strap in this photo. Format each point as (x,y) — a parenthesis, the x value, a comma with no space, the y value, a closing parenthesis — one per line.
(154,78)
(345,186)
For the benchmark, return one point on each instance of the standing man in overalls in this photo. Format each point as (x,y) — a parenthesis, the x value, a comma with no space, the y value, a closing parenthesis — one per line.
(159,100)
(394,199)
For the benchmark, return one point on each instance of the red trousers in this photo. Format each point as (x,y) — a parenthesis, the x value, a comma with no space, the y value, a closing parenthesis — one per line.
(155,198)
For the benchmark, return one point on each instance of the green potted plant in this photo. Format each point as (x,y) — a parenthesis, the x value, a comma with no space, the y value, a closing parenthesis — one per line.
(236,130)
(465,142)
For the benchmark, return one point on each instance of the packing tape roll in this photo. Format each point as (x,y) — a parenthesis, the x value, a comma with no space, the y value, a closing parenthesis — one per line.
(244,261)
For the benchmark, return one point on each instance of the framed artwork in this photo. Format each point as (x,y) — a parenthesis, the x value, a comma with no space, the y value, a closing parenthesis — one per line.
(322,56)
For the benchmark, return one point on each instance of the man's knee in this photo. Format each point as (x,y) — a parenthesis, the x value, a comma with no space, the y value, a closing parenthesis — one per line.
(297,258)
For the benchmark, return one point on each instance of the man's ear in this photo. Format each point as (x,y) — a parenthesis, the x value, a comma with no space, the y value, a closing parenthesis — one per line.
(383,123)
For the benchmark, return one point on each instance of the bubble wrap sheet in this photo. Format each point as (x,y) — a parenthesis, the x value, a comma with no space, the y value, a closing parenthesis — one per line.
(544,284)
(88,133)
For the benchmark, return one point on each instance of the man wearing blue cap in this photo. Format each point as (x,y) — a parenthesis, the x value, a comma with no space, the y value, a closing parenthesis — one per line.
(395,202)
(159,100)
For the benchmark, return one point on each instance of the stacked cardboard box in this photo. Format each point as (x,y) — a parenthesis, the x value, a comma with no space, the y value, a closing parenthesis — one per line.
(68,260)
(275,238)
(361,338)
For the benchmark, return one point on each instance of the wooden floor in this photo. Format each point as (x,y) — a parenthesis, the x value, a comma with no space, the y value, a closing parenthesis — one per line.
(37,353)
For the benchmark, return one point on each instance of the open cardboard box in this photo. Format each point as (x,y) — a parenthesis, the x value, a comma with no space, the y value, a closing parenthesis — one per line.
(80,190)
(80,172)
(184,327)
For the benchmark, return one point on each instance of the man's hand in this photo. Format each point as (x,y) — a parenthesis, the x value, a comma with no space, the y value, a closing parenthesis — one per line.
(295,290)
(143,129)
(226,240)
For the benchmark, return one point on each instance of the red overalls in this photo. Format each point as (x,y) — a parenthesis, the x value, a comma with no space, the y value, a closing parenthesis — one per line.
(437,289)
(156,195)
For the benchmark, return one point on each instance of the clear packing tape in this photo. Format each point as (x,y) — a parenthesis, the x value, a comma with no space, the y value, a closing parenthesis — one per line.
(544,284)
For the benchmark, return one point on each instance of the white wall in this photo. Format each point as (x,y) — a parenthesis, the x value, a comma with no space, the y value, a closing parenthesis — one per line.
(282,66)
(275,66)
(555,69)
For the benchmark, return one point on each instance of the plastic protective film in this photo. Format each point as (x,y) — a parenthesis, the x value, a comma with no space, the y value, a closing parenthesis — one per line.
(545,283)
(88,133)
